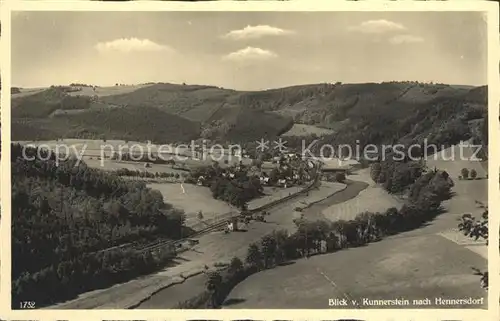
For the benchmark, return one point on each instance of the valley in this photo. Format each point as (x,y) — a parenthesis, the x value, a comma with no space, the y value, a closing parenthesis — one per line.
(174,218)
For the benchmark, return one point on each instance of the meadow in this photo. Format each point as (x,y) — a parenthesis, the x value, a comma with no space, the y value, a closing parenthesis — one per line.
(373,198)
(306,130)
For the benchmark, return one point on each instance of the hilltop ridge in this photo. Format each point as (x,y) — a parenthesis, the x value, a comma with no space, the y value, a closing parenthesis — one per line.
(161,112)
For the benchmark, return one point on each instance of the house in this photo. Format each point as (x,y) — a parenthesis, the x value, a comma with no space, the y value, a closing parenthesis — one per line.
(200,181)
(240,153)
(282,182)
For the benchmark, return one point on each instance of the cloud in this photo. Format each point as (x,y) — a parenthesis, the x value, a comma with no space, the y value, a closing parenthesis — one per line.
(402,39)
(378,26)
(254,32)
(250,53)
(131,45)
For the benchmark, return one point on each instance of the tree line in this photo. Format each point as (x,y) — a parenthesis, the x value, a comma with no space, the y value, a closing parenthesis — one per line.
(144,174)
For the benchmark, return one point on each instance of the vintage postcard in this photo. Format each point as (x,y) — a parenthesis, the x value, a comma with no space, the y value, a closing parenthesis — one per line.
(231,160)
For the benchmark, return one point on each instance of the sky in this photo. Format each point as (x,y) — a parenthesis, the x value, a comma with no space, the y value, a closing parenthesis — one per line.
(247,50)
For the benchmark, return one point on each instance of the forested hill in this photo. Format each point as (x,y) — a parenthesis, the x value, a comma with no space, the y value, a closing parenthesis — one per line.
(371,112)
(443,121)
(64,216)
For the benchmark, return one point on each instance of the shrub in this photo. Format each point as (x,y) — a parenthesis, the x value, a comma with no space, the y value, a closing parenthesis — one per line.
(465,173)
(340,177)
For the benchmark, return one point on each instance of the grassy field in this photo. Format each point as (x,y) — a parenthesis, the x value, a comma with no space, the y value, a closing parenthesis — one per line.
(108,91)
(305,130)
(86,91)
(110,165)
(27,91)
(93,148)
(373,198)
(412,268)
(450,159)
(192,200)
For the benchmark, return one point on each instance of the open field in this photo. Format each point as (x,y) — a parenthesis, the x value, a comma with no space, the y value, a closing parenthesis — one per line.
(111,165)
(306,130)
(455,158)
(86,91)
(107,91)
(373,198)
(96,148)
(398,267)
(27,91)
(192,200)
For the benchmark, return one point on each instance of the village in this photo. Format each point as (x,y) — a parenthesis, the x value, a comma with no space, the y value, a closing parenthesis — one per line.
(237,178)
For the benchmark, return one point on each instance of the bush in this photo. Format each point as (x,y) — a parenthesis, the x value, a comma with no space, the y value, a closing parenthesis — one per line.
(465,173)
(340,177)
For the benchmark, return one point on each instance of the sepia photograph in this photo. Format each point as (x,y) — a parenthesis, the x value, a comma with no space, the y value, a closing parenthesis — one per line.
(249,160)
